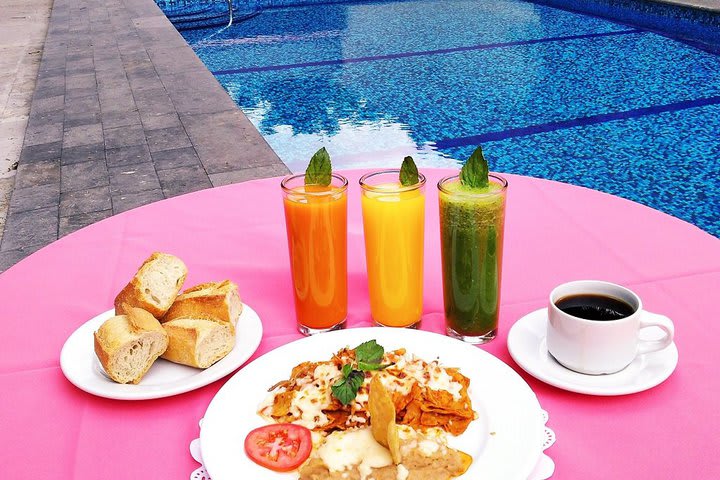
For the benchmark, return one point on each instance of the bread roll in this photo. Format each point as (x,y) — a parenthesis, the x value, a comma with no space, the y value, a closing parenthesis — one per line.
(154,286)
(217,301)
(127,345)
(197,342)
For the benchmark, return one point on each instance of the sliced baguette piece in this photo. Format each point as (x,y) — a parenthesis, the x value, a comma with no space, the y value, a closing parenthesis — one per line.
(198,342)
(217,301)
(154,286)
(128,345)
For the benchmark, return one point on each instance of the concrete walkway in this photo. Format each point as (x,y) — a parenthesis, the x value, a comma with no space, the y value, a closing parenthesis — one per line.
(23,24)
(710,5)
(123,114)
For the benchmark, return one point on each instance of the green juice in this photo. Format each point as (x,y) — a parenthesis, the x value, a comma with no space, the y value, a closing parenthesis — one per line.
(471,234)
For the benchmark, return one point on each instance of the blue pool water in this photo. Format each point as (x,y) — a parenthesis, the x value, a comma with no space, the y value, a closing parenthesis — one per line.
(547,92)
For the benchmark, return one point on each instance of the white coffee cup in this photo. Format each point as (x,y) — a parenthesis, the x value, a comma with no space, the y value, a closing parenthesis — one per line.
(598,347)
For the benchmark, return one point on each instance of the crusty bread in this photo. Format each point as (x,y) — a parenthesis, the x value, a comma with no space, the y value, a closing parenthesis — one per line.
(127,345)
(198,342)
(217,301)
(154,286)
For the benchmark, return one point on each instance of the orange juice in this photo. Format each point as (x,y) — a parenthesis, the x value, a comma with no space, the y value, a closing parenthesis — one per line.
(394,224)
(316,220)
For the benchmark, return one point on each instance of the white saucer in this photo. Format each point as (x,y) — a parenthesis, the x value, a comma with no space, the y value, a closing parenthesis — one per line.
(527,346)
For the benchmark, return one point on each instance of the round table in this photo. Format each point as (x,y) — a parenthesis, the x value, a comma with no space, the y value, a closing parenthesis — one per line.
(554,233)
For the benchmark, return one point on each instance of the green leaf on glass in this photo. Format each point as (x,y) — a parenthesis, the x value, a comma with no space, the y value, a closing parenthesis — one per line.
(319,171)
(408,172)
(474,174)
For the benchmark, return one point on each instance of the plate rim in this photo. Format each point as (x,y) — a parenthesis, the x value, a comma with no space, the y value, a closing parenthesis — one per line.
(537,372)
(362,333)
(251,334)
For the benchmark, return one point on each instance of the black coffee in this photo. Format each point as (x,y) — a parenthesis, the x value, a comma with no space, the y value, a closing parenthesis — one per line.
(595,307)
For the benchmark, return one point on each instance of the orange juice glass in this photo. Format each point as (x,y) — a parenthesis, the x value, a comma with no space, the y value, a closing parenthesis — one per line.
(394,226)
(316,221)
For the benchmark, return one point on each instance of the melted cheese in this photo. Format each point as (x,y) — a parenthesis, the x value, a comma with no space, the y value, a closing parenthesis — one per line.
(266,406)
(441,380)
(428,447)
(402,472)
(314,396)
(430,375)
(344,449)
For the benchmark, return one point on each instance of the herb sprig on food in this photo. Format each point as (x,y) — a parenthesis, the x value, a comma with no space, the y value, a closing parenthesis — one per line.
(368,356)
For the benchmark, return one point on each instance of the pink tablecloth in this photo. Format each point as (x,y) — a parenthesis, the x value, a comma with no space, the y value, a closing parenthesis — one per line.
(554,233)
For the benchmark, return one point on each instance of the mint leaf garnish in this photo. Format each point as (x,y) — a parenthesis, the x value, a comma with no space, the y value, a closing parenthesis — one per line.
(474,173)
(369,352)
(368,367)
(409,172)
(319,171)
(346,389)
(368,356)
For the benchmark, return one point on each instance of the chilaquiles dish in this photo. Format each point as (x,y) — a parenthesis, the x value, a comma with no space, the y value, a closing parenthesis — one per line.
(419,404)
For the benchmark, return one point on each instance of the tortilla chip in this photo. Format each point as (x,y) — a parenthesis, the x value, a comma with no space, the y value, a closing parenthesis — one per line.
(337,420)
(282,404)
(382,418)
(394,443)
(466,462)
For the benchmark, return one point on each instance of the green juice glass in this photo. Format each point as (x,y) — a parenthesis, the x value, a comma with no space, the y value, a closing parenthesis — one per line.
(471,242)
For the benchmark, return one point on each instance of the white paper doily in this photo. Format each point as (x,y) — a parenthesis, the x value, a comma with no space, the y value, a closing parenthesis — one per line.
(543,470)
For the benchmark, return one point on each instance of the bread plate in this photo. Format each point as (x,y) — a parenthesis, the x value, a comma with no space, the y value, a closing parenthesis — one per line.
(82,368)
(505,441)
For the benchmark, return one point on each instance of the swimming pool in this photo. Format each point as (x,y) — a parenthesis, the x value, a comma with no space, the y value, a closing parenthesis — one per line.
(547,92)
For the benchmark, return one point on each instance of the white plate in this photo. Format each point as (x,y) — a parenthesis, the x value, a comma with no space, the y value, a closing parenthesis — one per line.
(505,441)
(81,366)
(527,346)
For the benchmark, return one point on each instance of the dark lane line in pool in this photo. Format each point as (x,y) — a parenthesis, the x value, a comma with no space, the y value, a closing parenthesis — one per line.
(575,122)
(488,46)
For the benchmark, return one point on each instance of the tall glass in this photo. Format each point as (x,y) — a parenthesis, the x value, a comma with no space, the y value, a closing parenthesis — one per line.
(316,221)
(471,236)
(394,226)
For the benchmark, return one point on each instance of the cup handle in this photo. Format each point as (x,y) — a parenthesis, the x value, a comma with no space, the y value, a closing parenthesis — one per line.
(654,320)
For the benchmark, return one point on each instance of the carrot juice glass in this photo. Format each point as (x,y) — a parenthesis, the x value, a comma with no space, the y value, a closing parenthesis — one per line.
(316,221)
(394,226)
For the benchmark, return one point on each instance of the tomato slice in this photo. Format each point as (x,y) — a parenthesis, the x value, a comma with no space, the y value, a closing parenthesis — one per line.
(281,446)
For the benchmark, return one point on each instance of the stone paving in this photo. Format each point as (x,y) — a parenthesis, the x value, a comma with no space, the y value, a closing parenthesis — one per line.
(123,114)
(23,24)
(711,5)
